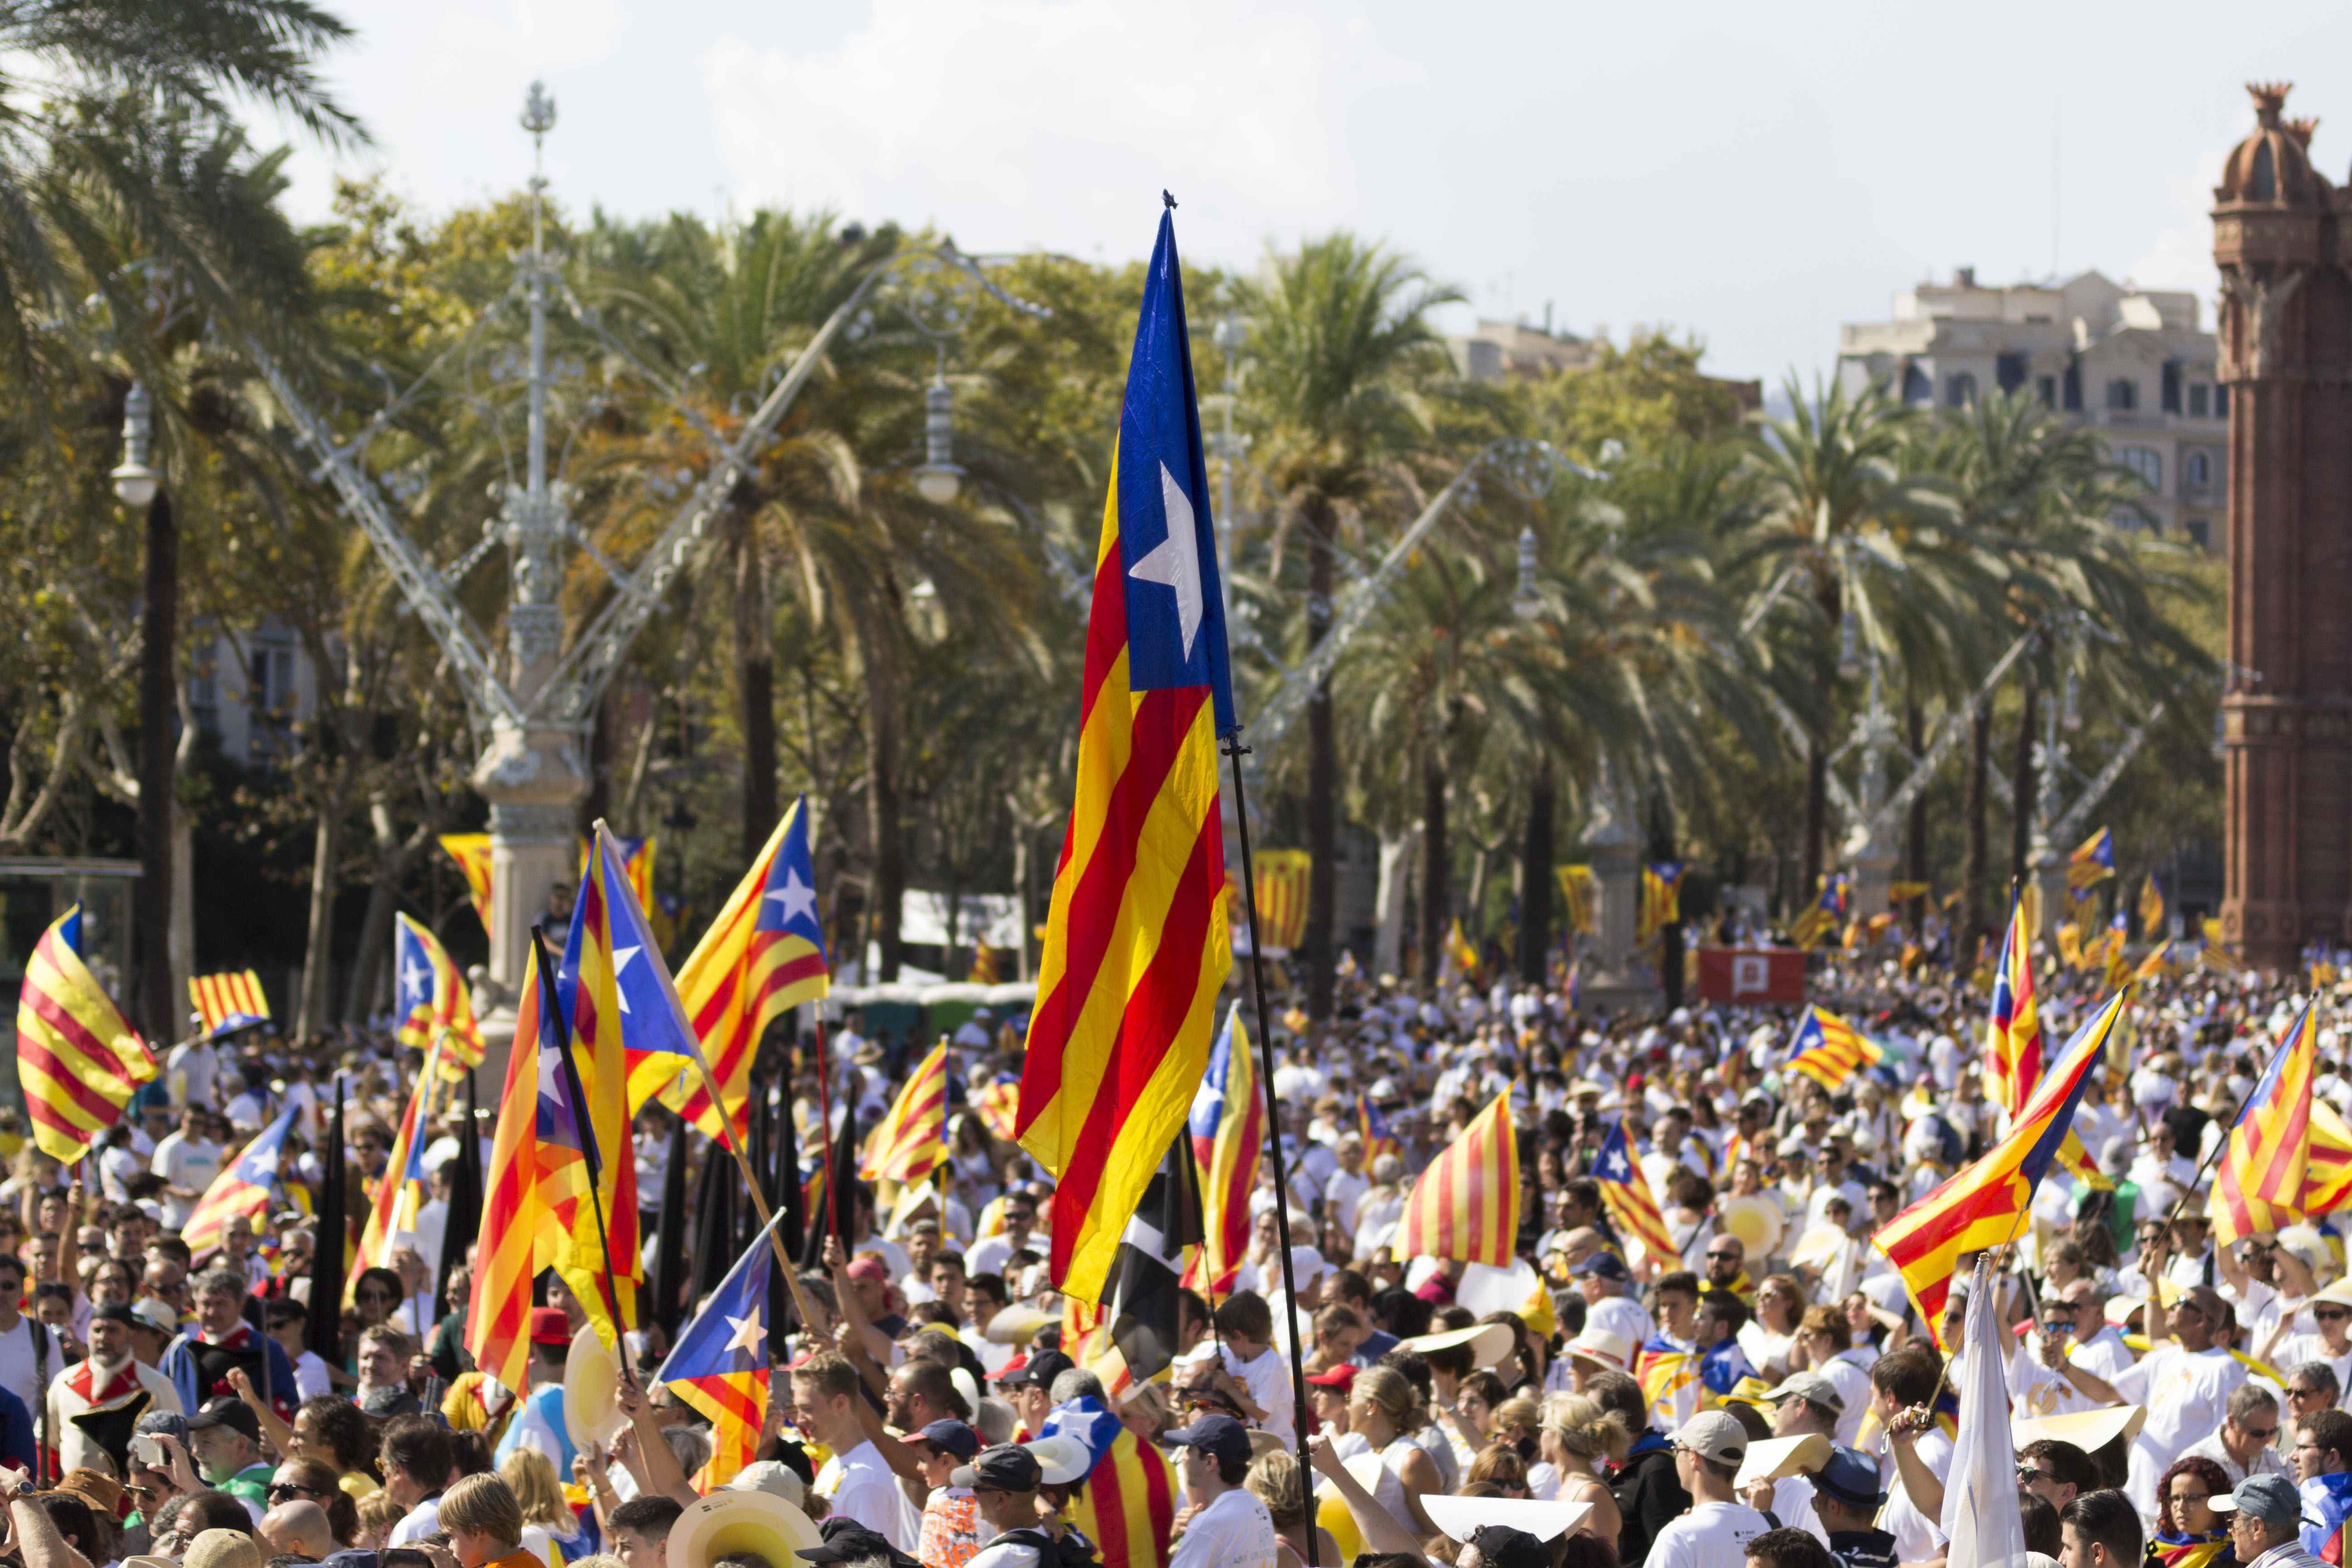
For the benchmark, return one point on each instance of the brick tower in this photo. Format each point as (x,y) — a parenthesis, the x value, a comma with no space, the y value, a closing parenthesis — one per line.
(2283,243)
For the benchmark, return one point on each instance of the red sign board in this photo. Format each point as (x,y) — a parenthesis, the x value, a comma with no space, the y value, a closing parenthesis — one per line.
(1752,976)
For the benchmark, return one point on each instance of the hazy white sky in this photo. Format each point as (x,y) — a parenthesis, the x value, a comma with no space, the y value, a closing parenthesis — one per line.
(1755,174)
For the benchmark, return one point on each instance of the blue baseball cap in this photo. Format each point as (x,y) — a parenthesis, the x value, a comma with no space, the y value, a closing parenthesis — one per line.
(950,1437)
(1603,1266)
(1851,1476)
(1216,1434)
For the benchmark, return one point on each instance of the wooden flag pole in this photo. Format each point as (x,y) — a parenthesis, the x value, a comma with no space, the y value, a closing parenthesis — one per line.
(1304,1423)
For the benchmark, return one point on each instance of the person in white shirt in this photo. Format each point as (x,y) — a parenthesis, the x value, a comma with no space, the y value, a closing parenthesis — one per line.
(855,1482)
(2075,1328)
(988,1255)
(192,1073)
(1347,1185)
(1226,1526)
(1902,1381)
(1003,1481)
(189,1163)
(2247,1443)
(1245,1325)
(2185,1386)
(1718,1527)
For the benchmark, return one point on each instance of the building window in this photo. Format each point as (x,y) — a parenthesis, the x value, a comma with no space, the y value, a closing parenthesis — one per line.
(2074,388)
(2220,402)
(2263,186)
(1960,391)
(2046,389)
(2169,390)
(2200,532)
(1917,387)
(2123,395)
(2197,470)
(2145,462)
(2201,401)
(2009,370)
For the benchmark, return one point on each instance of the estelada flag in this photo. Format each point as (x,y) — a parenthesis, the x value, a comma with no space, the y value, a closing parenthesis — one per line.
(1227,1128)
(2092,862)
(2258,1185)
(78,1058)
(1137,945)
(430,998)
(1985,1205)
(1828,1049)
(2014,1047)
(721,1366)
(623,1000)
(1465,1204)
(240,1192)
(763,956)
(1626,1194)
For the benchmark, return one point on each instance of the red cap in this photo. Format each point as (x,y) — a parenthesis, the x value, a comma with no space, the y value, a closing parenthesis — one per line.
(866,1266)
(1013,1368)
(549,1326)
(1340,1376)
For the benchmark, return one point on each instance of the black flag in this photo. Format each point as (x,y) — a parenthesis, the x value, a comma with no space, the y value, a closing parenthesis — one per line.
(464,1223)
(789,1195)
(326,1327)
(1148,1273)
(669,1246)
(715,1251)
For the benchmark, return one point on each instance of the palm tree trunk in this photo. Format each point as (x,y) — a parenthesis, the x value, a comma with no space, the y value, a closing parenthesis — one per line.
(1975,862)
(755,688)
(1535,879)
(318,956)
(1915,829)
(884,847)
(1322,773)
(2021,817)
(158,705)
(1437,890)
(1817,813)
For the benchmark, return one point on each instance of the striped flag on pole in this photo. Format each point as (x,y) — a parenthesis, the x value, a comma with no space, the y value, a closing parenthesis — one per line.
(232,997)
(518,1232)
(240,1192)
(2258,1185)
(910,1142)
(1828,1049)
(78,1058)
(471,851)
(1626,1194)
(1227,1128)
(431,999)
(1137,943)
(1466,1204)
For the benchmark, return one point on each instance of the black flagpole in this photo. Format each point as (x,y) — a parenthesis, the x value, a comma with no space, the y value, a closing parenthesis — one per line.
(1302,1426)
(587,1129)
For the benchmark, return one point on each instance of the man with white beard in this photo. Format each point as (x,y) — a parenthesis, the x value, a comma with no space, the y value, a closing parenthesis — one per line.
(94,1404)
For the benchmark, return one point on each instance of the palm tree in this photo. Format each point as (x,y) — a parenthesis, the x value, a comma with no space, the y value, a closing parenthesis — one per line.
(1344,351)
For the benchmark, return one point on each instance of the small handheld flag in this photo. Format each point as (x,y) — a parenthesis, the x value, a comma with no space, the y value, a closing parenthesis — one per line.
(240,1192)
(721,1364)
(471,851)
(1626,1194)
(431,999)
(1829,1050)
(1466,1204)
(2092,862)
(1227,1128)
(2258,1185)
(229,1000)
(910,1142)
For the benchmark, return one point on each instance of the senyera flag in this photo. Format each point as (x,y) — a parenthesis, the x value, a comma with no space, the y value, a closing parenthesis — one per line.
(763,955)
(1465,1204)
(228,999)
(910,1142)
(1137,944)
(2258,1186)
(79,1059)
(1985,1205)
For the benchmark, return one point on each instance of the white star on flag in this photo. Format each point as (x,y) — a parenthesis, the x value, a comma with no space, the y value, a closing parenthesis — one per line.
(748,1337)
(415,981)
(797,897)
(1176,560)
(620,956)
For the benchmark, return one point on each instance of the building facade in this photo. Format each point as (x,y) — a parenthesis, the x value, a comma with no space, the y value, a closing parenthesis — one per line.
(2282,242)
(249,689)
(2135,365)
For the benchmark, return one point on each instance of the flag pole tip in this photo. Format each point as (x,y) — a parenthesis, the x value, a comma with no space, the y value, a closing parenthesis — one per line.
(1169,199)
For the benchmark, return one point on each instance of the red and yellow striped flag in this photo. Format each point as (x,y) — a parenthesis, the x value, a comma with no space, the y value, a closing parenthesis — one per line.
(1984,1204)
(1127,1506)
(763,956)
(77,1056)
(1829,1050)
(1282,880)
(1626,1194)
(1465,1204)
(1137,945)
(472,853)
(518,1237)
(2259,1184)
(910,1142)
(593,1160)
(231,996)
(431,999)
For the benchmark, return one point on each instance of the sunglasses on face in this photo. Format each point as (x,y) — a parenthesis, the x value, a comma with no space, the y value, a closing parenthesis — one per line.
(2261,1434)
(2031,1473)
(281,1490)
(2328,1316)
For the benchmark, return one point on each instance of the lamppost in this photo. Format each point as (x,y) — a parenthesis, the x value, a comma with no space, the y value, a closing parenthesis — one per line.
(140,487)
(532,703)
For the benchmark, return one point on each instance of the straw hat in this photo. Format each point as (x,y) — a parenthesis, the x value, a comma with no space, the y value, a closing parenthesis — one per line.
(1490,1344)
(725,1522)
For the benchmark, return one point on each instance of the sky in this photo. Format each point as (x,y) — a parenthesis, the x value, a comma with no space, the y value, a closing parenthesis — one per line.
(1752,175)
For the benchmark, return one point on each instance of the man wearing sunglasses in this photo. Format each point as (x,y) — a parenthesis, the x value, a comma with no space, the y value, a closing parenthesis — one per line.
(2072,1326)
(2247,1443)
(2184,1386)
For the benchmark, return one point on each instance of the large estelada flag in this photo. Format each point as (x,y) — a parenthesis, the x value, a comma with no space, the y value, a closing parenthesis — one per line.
(2258,1186)
(430,997)
(1227,1128)
(2015,1051)
(78,1058)
(721,1364)
(1465,1204)
(1985,1205)
(242,1191)
(763,955)
(1828,1049)
(227,999)
(1137,944)
(400,1197)
(616,990)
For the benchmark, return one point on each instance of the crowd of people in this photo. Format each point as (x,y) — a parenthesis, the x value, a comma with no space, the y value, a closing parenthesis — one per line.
(1767,1395)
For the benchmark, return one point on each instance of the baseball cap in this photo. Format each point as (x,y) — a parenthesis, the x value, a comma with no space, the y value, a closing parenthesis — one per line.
(1215,1434)
(1005,1468)
(1602,1266)
(162,1423)
(949,1438)
(846,1541)
(2271,1498)
(1039,1371)
(1342,1376)
(549,1326)
(1500,1546)
(114,1312)
(155,1317)
(1601,1346)
(866,1266)
(1812,1388)
(226,1411)
(1712,1434)
(1851,1476)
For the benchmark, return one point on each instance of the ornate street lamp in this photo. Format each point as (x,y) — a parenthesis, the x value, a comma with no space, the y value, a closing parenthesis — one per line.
(1527,602)
(135,481)
(938,479)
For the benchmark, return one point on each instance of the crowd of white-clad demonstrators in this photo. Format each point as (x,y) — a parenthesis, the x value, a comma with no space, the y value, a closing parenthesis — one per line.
(1767,1396)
